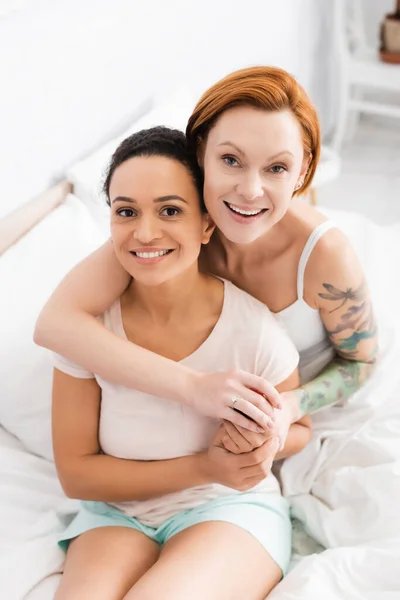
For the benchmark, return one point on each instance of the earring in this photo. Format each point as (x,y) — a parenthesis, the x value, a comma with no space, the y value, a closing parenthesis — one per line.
(298,186)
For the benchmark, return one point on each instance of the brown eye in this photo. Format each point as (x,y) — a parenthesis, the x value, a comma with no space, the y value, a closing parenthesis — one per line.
(170,211)
(125,212)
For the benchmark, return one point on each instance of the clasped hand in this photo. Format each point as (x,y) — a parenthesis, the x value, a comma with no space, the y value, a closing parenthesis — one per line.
(239,458)
(236,439)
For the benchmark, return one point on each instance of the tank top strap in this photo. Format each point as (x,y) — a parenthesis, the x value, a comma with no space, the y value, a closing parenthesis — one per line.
(315,236)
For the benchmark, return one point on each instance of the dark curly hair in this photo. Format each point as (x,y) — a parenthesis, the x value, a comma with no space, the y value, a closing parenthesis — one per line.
(157,141)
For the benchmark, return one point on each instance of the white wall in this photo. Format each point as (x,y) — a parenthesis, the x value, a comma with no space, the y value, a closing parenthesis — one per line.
(74,73)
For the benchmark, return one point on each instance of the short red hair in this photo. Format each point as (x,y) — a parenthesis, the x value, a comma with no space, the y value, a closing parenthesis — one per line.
(265,88)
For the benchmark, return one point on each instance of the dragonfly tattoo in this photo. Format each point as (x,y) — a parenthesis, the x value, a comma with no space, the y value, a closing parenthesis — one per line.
(359,318)
(336,295)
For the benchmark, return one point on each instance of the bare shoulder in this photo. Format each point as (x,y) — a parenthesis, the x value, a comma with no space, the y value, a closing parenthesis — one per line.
(333,256)
(333,273)
(333,260)
(302,219)
(335,285)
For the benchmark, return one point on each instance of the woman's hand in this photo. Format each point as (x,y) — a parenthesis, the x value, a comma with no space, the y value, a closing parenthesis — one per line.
(240,472)
(238,440)
(282,421)
(218,394)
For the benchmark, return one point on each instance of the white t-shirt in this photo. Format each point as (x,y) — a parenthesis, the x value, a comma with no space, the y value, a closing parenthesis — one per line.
(138,426)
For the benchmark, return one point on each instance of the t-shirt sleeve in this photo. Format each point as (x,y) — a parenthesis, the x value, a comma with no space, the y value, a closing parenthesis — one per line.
(277,355)
(67,366)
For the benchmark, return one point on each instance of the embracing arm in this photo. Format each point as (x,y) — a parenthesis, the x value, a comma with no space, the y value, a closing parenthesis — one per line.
(87,474)
(67,325)
(343,299)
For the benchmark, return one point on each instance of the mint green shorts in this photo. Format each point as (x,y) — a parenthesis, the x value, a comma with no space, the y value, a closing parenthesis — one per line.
(264,516)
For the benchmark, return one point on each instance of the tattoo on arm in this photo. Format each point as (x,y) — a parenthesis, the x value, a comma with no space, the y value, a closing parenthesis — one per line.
(338,381)
(345,374)
(359,319)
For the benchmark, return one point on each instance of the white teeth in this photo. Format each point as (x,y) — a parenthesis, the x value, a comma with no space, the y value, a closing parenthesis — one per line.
(151,254)
(247,213)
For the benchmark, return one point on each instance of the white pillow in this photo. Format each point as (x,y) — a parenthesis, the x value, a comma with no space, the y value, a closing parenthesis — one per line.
(29,272)
(87,175)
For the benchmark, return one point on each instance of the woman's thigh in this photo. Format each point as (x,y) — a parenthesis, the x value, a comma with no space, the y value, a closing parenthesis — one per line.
(213,560)
(104,563)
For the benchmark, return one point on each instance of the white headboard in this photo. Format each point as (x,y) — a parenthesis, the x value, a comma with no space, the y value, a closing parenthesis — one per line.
(19,222)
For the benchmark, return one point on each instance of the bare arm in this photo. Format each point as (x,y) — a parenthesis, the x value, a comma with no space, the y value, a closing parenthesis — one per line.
(343,299)
(67,325)
(87,474)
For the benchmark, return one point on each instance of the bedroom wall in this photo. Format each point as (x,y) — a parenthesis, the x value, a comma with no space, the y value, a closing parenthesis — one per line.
(74,74)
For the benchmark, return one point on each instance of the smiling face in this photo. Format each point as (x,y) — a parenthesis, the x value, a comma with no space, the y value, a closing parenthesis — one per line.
(253,160)
(157,225)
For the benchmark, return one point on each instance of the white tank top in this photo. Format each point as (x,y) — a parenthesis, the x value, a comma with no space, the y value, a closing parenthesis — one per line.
(303,323)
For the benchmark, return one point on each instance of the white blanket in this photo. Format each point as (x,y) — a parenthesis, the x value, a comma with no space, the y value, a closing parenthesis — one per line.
(344,487)
(30,494)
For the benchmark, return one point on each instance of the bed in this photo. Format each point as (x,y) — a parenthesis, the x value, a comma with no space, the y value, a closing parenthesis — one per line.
(344,488)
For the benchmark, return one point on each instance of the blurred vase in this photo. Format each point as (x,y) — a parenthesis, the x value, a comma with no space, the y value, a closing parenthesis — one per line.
(390,36)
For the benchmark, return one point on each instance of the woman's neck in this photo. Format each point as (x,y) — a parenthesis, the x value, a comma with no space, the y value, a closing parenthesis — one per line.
(177,298)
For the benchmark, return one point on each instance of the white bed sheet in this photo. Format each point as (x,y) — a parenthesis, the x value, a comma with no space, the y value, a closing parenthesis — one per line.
(344,487)
(30,495)
(33,509)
